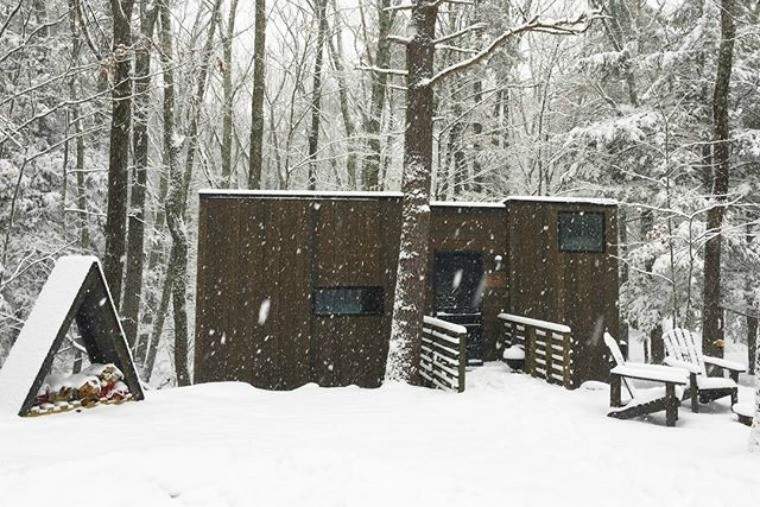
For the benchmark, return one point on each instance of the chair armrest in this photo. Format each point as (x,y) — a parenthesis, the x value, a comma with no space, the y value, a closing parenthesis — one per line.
(725,364)
(691,367)
(675,376)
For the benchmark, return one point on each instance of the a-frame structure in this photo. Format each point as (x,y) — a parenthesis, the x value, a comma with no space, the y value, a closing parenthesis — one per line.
(76,290)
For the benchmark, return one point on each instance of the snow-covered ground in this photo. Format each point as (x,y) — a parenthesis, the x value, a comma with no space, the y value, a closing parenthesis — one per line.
(509,440)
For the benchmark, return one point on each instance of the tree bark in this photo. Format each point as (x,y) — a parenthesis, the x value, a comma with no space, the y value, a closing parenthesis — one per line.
(712,325)
(176,206)
(411,276)
(373,121)
(257,96)
(228,97)
(118,160)
(336,54)
(133,280)
(754,439)
(316,94)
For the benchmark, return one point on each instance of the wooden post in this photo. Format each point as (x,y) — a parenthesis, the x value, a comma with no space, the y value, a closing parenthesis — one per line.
(615,391)
(567,347)
(671,405)
(462,360)
(694,392)
(548,339)
(530,351)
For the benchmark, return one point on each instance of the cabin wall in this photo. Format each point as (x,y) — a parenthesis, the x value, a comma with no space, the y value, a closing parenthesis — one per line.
(258,261)
(479,230)
(579,289)
(260,258)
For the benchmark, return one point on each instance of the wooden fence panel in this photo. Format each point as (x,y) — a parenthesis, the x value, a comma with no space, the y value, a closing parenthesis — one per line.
(548,346)
(443,358)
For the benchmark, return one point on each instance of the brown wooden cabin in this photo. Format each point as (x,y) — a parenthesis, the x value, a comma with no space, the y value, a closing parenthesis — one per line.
(297,287)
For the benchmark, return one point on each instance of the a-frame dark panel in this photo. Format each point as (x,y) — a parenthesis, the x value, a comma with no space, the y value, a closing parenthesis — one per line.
(92,307)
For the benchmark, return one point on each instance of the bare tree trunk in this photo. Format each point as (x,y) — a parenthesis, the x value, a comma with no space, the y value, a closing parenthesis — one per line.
(751,320)
(257,96)
(118,162)
(176,205)
(336,54)
(228,97)
(712,325)
(373,121)
(316,94)
(477,132)
(411,280)
(133,280)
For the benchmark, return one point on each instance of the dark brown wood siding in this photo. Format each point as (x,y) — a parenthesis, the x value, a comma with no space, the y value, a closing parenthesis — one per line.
(259,254)
(259,251)
(578,289)
(480,230)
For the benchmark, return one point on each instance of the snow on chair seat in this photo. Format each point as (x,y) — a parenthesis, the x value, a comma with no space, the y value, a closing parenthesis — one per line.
(684,350)
(646,402)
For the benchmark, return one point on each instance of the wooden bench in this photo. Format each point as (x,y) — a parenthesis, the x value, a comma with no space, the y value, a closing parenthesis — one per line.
(640,403)
(685,351)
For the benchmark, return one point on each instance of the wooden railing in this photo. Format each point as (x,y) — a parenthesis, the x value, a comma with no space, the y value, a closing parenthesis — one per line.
(444,354)
(548,347)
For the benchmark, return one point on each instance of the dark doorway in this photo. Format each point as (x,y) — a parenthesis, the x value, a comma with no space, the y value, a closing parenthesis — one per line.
(459,283)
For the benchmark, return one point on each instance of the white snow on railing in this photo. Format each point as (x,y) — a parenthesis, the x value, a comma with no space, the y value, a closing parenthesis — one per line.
(448,326)
(553,326)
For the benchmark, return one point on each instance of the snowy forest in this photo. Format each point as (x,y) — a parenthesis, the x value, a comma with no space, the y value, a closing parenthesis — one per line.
(114,114)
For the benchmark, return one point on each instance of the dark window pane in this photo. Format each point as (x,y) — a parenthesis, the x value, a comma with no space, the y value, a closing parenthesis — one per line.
(581,232)
(348,301)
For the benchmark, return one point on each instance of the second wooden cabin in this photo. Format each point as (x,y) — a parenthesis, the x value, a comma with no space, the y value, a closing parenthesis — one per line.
(297,287)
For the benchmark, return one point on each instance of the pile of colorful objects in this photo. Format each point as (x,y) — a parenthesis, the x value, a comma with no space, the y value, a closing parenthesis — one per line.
(96,384)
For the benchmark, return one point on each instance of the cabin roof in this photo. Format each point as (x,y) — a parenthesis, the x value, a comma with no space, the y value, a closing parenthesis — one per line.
(298,194)
(598,201)
(338,194)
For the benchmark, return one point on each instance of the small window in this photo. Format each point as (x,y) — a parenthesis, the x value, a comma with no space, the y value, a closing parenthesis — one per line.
(348,301)
(581,232)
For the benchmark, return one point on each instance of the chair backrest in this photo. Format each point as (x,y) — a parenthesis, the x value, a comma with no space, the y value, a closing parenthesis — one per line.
(617,356)
(682,345)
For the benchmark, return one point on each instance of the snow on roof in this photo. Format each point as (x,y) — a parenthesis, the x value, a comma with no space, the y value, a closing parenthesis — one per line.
(298,194)
(40,330)
(562,200)
(468,204)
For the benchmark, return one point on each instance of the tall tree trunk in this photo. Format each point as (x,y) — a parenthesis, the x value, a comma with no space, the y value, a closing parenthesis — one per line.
(176,206)
(228,97)
(752,321)
(411,279)
(257,96)
(754,439)
(712,325)
(373,121)
(133,280)
(477,132)
(336,54)
(118,159)
(316,94)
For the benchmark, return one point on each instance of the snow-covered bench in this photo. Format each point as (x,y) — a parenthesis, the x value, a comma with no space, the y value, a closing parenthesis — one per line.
(685,351)
(643,403)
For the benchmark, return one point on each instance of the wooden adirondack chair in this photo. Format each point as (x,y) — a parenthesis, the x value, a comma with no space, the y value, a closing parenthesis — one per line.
(683,350)
(641,404)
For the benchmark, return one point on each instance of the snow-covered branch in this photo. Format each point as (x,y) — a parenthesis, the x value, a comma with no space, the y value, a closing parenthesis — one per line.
(557,27)
(378,70)
(459,33)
